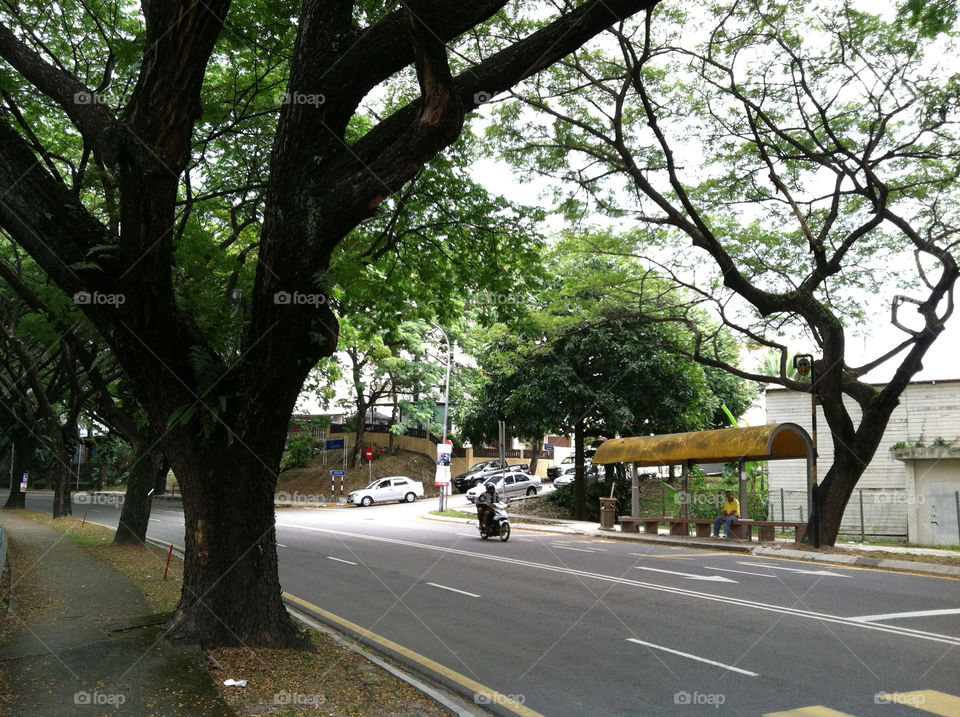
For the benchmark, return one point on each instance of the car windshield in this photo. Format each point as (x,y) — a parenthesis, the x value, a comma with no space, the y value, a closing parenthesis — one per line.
(374,484)
(479,467)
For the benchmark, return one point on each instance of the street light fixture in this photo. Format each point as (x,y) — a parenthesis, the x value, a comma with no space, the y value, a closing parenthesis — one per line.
(803,363)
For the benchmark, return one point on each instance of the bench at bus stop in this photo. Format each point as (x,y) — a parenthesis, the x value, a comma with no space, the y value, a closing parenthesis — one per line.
(741,528)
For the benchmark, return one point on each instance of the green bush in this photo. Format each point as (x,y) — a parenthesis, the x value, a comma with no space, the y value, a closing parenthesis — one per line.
(300,451)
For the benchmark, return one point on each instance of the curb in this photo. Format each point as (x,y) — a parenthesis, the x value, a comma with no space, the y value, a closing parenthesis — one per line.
(768,550)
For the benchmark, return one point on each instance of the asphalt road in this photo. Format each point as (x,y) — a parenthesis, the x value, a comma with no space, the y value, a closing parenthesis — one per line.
(566,625)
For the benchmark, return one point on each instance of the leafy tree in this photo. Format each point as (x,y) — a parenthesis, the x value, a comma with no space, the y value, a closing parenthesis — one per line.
(613,374)
(114,123)
(786,161)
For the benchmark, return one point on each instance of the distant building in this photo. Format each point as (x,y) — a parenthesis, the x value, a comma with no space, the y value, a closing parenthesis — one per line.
(912,491)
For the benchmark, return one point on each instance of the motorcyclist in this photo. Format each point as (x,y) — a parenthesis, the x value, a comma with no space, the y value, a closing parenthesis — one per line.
(485,503)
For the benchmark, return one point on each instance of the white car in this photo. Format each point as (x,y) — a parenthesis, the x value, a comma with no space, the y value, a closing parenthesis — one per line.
(401,488)
(511,484)
(566,477)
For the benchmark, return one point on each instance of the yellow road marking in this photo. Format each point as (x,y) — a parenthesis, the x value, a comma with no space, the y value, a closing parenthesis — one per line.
(814,711)
(492,696)
(938,703)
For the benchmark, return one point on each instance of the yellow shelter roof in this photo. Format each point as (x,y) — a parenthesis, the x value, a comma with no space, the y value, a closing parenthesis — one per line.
(753,443)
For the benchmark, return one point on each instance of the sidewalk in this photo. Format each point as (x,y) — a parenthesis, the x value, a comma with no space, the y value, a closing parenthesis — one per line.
(899,557)
(81,639)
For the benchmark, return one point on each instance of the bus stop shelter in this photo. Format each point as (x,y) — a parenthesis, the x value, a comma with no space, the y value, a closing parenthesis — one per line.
(776,441)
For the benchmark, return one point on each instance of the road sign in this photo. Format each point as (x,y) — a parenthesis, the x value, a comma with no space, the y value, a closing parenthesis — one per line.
(337,473)
(335,445)
(368,454)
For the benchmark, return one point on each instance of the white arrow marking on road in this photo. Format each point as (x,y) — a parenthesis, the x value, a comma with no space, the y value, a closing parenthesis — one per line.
(796,570)
(341,560)
(689,576)
(693,657)
(899,615)
(742,572)
(453,590)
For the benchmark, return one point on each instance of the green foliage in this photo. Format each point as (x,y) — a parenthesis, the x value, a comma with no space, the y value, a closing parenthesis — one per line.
(595,490)
(112,462)
(300,451)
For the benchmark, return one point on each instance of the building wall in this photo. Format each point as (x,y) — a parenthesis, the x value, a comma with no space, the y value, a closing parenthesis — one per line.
(927,410)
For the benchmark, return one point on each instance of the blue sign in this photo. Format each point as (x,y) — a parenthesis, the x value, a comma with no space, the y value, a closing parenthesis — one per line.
(337,473)
(549,447)
(334,445)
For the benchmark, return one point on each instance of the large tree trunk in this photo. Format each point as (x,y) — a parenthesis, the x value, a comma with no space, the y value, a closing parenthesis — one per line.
(61,476)
(231,587)
(137,502)
(24,449)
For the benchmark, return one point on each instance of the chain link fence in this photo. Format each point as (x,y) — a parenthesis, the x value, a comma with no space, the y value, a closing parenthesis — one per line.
(882,513)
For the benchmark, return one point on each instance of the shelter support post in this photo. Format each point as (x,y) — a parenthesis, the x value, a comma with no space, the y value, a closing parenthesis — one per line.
(634,491)
(742,488)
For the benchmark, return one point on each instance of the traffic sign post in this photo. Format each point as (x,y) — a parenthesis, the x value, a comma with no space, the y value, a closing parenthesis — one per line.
(333,478)
(368,454)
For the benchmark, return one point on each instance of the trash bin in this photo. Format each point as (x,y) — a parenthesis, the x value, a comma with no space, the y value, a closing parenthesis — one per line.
(608,513)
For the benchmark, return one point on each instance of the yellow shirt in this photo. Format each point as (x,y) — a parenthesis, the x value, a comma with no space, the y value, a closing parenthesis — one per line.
(732,507)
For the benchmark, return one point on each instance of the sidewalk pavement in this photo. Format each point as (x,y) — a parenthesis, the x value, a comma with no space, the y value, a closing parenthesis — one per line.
(82,640)
(899,559)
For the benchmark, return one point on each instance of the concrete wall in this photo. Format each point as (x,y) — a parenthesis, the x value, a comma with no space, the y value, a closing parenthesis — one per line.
(896,492)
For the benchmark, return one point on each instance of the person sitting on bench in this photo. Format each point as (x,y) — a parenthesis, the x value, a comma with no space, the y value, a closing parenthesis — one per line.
(731,511)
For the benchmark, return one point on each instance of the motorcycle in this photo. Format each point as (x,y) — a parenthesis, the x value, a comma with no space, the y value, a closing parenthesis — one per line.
(492,520)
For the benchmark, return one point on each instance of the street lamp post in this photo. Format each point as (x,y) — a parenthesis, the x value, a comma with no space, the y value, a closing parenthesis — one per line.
(446,404)
(803,363)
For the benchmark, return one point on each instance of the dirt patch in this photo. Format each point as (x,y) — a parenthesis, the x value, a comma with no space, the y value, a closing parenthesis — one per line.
(331,680)
(314,479)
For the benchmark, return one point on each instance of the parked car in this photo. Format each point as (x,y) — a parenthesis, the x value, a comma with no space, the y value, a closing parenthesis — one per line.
(566,477)
(554,471)
(479,473)
(508,484)
(400,488)
(569,474)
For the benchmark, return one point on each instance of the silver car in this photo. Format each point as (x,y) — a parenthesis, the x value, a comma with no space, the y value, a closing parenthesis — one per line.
(512,484)
(401,488)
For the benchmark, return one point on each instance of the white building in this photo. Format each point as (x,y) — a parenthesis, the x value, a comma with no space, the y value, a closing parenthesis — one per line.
(911,491)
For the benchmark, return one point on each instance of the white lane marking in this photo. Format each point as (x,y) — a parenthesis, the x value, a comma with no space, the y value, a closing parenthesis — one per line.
(748,673)
(579,550)
(899,615)
(826,573)
(738,602)
(341,560)
(688,576)
(453,590)
(281,545)
(742,572)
